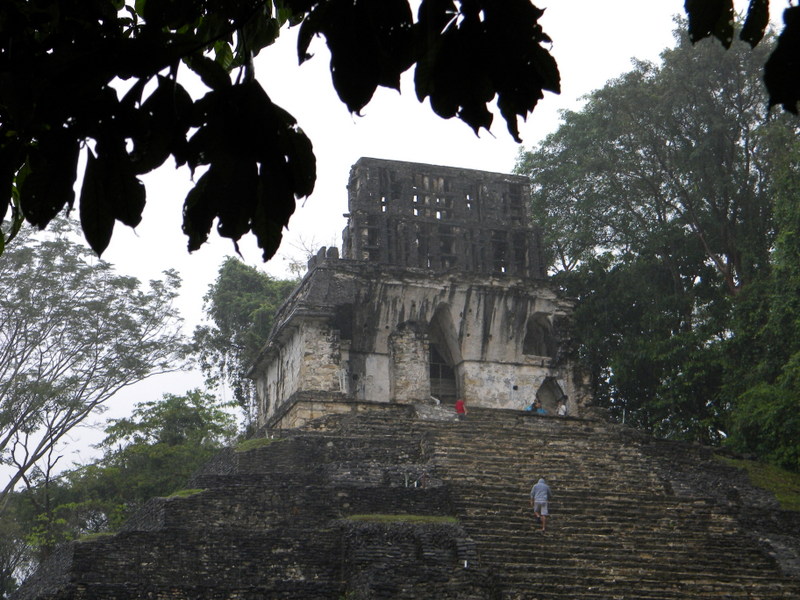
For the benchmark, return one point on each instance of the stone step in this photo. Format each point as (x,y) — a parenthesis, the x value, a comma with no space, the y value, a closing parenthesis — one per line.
(655,575)
(275,513)
(560,589)
(579,493)
(650,559)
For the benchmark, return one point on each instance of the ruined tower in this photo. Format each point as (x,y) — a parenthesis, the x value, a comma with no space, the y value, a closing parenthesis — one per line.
(440,293)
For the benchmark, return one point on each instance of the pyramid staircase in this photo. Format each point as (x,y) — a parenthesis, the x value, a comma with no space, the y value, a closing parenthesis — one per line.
(631,519)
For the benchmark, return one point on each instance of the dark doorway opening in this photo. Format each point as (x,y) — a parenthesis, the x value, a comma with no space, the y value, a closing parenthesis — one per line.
(443,377)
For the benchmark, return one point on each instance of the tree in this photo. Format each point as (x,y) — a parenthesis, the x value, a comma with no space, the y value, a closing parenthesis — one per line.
(241,305)
(716,18)
(649,367)
(657,203)
(764,418)
(59,59)
(15,554)
(151,453)
(72,334)
(664,149)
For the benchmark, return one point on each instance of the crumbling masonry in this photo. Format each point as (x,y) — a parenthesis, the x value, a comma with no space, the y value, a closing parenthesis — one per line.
(441,293)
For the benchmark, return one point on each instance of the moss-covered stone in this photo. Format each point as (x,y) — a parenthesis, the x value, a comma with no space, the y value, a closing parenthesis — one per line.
(785,485)
(402,518)
(254,443)
(185,493)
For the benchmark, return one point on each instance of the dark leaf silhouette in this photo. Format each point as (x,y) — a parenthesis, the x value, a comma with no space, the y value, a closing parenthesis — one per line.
(370,44)
(756,23)
(58,61)
(494,50)
(165,119)
(260,162)
(46,185)
(111,192)
(710,18)
(781,69)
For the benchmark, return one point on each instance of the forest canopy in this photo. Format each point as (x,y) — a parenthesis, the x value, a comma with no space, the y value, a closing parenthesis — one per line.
(669,206)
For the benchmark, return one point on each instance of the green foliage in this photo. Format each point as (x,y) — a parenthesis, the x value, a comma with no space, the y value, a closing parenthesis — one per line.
(765,351)
(656,203)
(671,214)
(402,518)
(152,453)
(186,493)
(646,345)
(255,443)
(241,306)
(195,419)
(784,484)
(58,61)
(657,157)
(15,554)
(72,333)
(766,420)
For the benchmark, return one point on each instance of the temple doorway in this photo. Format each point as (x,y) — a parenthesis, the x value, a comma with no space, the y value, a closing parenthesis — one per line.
(444,356)
(443,377)
(550,394)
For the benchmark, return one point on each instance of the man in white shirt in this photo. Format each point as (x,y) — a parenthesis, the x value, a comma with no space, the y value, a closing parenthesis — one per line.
(540,496)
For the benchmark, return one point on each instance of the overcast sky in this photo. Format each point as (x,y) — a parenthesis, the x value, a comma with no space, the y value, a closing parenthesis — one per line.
(593,42)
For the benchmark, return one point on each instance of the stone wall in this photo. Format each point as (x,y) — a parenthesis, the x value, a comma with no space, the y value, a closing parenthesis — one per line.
(281,520)
(408,348)
(441,218)
(307,406)
(503,338)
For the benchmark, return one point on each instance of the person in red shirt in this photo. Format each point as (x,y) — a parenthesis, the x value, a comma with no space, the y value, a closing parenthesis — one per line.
(461,409)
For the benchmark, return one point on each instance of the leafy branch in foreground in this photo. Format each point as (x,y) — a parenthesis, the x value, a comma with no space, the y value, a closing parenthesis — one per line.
(59,61)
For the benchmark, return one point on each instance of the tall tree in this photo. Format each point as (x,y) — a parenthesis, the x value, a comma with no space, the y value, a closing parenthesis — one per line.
(766,319)
(73,332)
(665,148)
(657,201)
(240,306)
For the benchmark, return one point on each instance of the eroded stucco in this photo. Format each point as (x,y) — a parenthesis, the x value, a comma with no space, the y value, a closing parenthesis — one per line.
(380,324)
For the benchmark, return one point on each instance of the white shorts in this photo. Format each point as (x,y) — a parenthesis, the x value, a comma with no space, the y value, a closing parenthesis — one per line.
(541,508)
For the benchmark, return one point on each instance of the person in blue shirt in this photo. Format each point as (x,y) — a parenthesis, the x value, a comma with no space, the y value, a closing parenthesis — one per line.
(538,408)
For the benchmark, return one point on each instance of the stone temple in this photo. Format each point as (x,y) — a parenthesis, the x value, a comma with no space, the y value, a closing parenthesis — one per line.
(440,292)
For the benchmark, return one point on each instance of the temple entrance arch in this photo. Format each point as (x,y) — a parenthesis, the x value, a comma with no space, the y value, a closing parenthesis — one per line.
(549,394)
(444,356)
(539,339)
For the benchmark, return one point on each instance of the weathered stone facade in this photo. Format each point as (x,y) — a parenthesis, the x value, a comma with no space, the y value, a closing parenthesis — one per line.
(440,293)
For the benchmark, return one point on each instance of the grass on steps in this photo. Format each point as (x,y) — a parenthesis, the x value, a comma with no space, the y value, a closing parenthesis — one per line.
(784,484)
(402,518)
(254,443)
